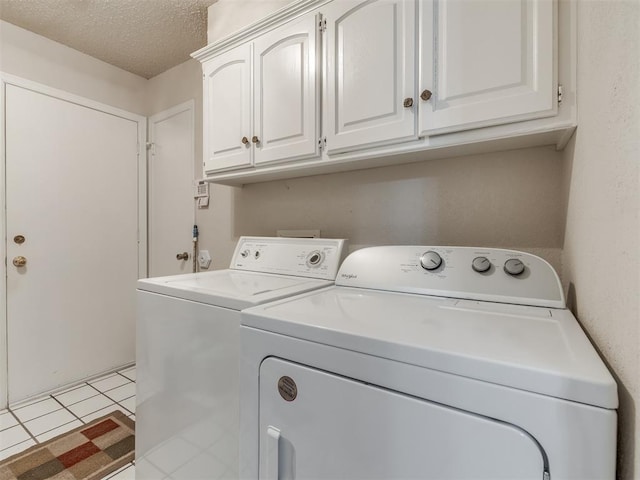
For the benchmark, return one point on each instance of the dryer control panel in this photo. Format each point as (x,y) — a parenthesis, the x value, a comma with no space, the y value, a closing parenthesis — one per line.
(486,274)
(304,257)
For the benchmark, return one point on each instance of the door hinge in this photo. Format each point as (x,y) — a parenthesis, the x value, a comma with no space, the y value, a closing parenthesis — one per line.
(559,93)
(322,25)
(322,143)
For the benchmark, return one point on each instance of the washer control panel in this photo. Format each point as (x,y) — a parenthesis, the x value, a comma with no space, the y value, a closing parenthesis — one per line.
(304,257)
(489,274)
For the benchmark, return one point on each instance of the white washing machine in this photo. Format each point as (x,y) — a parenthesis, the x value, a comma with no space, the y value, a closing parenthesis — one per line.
(187,351)
(445,363)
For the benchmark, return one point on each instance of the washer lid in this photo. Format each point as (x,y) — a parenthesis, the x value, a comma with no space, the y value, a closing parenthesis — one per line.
(231,288)
(537,349)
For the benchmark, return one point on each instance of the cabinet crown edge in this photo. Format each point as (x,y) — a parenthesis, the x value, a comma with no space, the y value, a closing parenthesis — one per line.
(279,17)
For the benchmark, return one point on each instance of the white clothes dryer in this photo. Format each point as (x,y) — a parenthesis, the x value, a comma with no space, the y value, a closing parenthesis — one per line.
(187,352)
(447,363)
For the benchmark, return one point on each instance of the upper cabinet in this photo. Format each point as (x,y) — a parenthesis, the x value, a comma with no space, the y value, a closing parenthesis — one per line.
(323,86)
(261,99)
(371,73)
(482,62)
(485,62)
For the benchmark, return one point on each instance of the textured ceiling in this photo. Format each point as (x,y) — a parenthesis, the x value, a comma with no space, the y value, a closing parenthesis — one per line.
(145,37)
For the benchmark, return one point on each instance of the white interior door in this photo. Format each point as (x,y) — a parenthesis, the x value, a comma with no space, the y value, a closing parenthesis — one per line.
(171,187)
(74,191)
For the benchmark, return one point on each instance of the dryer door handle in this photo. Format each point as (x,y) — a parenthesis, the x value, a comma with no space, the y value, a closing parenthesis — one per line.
(273,453)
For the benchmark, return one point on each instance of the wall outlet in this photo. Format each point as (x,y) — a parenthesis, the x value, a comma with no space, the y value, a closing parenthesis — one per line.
(204,259)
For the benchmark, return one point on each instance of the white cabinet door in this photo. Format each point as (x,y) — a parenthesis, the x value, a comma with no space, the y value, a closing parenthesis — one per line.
(227,110)
(286,92)
(370,72)
(486,63)
(317,425)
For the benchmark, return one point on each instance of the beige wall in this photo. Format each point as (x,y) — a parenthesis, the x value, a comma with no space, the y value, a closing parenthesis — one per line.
(175,86)
(38,59)
(602,244)
(508,199)
(229,16)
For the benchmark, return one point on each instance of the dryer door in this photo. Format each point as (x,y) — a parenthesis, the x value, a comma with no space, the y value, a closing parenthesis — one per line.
(323,426)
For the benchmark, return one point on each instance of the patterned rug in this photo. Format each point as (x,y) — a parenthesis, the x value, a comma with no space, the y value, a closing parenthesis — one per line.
(89,452)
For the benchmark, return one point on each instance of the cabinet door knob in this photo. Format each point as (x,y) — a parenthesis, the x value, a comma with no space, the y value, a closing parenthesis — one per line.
(408,102)
(245,140)
(255,139)
(182,256)
(425,95)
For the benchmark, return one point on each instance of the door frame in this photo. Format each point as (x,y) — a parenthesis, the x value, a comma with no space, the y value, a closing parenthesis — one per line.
(141,121)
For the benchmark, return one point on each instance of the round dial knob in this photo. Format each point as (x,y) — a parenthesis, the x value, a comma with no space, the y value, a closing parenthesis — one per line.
(430,260)
(244,253)
(514,267)
(314,258)
(481,264)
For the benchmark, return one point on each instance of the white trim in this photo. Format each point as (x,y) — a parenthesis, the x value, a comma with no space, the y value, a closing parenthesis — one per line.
(143,234)
(70,97)
(4,358)
(141,121)
(485,140)
(289,12)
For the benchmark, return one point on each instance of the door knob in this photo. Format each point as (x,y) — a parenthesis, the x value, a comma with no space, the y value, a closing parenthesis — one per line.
(255,139)
(19,239)
(182,256)
(245,140)
(408,102)
(20,261)
(425,95)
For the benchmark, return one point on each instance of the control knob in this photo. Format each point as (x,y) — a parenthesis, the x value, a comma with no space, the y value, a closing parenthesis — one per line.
(514,267)
(481,264)
(314,258)
(430,260)
(244,253)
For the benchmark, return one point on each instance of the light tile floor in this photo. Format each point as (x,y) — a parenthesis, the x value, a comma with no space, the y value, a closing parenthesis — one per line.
(35,421)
